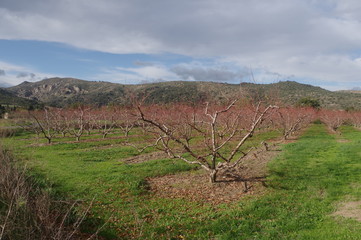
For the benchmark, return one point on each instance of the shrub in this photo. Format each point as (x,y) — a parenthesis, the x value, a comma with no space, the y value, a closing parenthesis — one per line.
(27,211)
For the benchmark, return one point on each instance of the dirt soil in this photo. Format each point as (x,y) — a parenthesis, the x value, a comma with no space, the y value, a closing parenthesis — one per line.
(145,157)
(350,210)
(195,185)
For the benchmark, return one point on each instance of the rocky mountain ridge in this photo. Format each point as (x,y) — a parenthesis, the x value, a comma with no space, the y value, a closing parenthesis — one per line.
(66,91)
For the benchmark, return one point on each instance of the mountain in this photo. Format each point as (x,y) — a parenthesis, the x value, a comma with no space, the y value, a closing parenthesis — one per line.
(67,91)
(292,92)
(351,91)
(11,99)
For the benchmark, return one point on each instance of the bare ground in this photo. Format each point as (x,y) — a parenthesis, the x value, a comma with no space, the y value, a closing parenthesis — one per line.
(145,157)
(350,210)
(195,185)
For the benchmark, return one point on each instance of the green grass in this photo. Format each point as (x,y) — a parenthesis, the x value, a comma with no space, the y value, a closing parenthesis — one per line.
(306,182)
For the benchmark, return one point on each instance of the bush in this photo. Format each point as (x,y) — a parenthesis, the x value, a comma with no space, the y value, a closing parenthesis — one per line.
(317,121)
(27,211)
(309,102)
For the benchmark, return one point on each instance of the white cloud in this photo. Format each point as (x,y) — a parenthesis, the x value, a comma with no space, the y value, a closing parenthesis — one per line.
(152,72)
(216,72)
(16,74)
(194,71)
(315,39)
(204,28)
(137,75)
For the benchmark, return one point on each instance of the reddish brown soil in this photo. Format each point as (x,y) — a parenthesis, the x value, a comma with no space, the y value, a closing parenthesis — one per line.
(196,186)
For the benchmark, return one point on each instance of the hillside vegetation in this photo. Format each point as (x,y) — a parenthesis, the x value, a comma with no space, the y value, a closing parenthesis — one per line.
(10,98)
(67,91)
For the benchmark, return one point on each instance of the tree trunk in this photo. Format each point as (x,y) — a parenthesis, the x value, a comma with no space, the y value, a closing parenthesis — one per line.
(213,176)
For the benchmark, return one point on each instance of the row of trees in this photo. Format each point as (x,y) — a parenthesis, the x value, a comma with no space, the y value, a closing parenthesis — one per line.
(55,122)
(211,136)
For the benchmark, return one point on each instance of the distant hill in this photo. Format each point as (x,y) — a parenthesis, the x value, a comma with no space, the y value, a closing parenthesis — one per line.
(350,91)
(11,99)
(291,92)
(67,91)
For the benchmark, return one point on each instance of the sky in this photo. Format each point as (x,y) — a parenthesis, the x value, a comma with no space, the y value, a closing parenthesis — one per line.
(316,42)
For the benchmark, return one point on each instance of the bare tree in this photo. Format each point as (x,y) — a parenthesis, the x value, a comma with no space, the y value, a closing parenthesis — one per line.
(292,120)
(334,118)
(126,120)
(355,118)
(92,121)
(29,212)
(223,140)
(106,121)
(77,122)
(23,120)
(46,123)
(60,122)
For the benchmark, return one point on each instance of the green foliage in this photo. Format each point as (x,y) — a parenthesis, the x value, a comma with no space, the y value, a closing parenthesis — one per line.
(8,98)
(317,121)
(309,102)
(350,109)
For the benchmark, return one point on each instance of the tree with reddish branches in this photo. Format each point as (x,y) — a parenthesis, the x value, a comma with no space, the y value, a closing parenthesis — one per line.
(334,118)
(221,130)
(106,120)
(60,122)
(126,120)
(292,120)
(355,118)
(77,121)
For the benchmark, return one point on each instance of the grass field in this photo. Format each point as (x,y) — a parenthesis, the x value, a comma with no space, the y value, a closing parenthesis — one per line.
(309,181)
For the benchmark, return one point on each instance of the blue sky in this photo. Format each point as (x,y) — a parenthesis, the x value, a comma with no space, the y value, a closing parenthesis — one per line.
(309,41)
(58,59)
(35,60)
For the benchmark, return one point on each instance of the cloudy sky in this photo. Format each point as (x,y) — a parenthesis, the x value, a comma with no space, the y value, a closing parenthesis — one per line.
(316,42)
